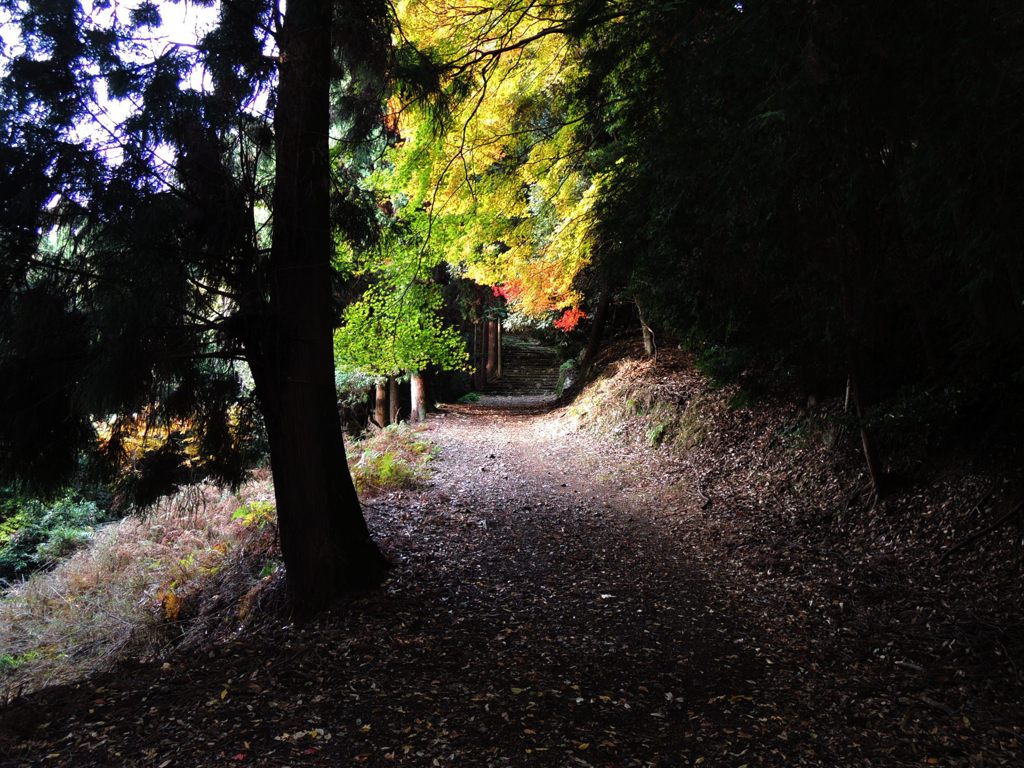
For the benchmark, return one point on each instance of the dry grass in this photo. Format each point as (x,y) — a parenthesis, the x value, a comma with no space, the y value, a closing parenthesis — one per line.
(129,593)
(188,572)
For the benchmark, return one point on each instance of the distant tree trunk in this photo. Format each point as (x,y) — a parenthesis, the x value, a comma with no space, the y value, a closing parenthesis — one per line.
(380,404)
(649,348)
(492,350)
(324,539)
(596,331)
(480,355)
(393,409)
(418,396)
(499,350)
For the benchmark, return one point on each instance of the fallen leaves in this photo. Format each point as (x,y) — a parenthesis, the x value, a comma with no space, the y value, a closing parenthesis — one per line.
(599,622)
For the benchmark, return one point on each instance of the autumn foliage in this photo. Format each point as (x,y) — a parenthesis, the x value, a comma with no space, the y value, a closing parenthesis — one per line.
(569,319)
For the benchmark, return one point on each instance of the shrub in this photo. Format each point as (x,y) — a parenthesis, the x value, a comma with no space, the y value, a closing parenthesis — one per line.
(142,583)
(41,534)
(722,365)
(469,397)
(392,458)
(255,513)
(656,434)
(566,376)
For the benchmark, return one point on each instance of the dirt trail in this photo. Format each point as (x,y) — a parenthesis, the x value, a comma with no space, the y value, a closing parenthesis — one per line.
(550,605)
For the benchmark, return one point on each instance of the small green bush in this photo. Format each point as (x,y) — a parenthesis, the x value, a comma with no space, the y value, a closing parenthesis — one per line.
(656,434)
(469,397)
(10,662)
(255,513)
(40,534)
(392,458)
(62,541)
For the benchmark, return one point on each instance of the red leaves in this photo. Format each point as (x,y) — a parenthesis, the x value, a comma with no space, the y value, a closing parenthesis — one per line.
(570,319)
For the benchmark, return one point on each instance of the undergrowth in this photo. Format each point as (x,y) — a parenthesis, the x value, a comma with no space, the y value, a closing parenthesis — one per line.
(199,566)
(629,399)
(137,588)
(35,534)
(390,459)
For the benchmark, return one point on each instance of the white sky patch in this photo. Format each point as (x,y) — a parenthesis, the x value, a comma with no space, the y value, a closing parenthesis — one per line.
(182,24)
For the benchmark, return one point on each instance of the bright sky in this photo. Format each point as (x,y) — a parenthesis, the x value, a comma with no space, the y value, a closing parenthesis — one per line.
(182,22)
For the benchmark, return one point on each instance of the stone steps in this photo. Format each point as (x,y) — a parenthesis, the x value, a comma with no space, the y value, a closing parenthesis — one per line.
(526,369)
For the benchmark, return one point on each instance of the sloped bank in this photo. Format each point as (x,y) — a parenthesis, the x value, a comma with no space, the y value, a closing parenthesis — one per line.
(912,600)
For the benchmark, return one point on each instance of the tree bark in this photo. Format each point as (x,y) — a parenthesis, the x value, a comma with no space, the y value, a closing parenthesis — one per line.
(492,350)
(499,350)
(418,395)
(393,409)
(380,404)
(596,331)
(480,354)
(325,543)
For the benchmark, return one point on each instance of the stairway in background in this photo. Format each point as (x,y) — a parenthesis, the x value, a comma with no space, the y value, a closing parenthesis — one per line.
(527,368)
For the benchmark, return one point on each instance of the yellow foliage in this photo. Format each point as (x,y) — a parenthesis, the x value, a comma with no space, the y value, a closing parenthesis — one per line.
(504,167)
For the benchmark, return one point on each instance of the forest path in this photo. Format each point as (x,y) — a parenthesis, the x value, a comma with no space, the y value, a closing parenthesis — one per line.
(551,604)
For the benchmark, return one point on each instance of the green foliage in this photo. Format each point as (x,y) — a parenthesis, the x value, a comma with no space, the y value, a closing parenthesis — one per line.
(722,364)
(10,662)
(392,458)
(396,325)
(258,514)
(469,397)
(351,386)
(793,188)
(135,243)
(656,434)
(506,171)
(39,534)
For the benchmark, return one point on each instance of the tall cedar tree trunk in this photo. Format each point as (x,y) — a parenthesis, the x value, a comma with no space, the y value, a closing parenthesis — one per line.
(393,408)
(491,327)
(380,404)
(324,539)
(418,394)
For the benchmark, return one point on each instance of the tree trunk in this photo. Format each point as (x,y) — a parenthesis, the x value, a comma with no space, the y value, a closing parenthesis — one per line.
(499,350)
(418,395)
(596,332)
(393,409)
(492,350)
(324,539)
(380,404)
(478,354)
